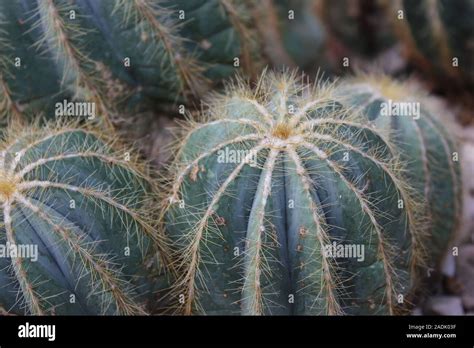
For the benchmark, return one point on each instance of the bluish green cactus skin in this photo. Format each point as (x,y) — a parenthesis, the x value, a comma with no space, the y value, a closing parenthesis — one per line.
(252,234)
(217,42)
(85,207)
(173,46)
(435,33)
(111,51)
(291,34)
(303,35)
(23,70)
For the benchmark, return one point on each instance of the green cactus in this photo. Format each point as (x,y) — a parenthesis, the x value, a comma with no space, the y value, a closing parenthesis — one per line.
(10,83)
(291,33)
(6,104)
(277,177)
(45,60)
(111,51)
(427,146)
(438,36)
(85,206)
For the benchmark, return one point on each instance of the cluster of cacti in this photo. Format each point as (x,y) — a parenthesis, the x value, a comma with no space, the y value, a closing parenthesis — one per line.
(438,36)
(81,207)
(109,51)
(285,196)
(274,176)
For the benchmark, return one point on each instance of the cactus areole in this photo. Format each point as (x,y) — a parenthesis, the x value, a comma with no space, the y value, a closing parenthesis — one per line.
(287,200)
(73,235)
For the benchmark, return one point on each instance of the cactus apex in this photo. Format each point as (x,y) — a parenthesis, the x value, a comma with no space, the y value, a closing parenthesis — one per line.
(288,130)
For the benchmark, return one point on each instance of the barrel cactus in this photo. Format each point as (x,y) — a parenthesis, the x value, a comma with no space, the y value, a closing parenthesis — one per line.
(428,147)
(76,230)
(438,36)
(297,199)
(111,51)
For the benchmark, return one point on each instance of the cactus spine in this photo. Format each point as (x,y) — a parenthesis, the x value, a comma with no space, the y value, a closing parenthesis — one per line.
(253,233)
(86,207)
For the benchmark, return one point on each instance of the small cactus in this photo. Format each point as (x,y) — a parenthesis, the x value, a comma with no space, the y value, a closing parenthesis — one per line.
(85,206)
(278,177)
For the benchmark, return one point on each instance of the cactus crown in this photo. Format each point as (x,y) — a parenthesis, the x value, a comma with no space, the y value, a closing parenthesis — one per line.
(294,136)
(8,187)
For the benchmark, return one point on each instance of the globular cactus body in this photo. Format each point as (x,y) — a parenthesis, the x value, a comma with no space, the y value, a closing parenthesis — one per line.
(69,193)
(274,177)
(425,144)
